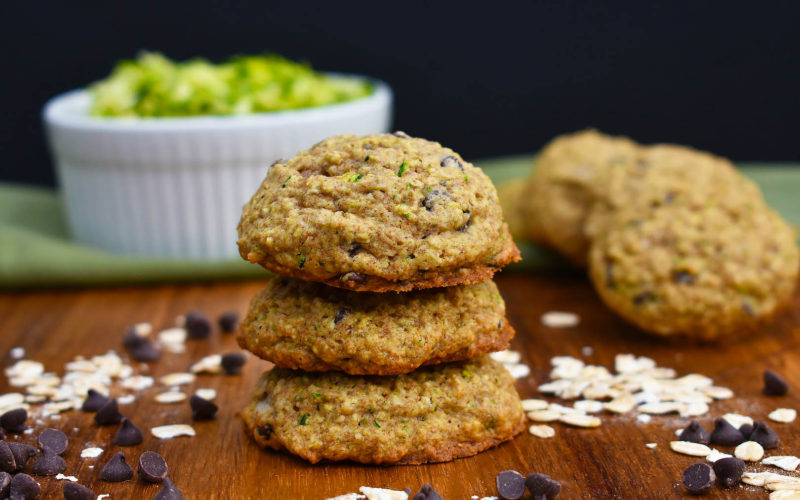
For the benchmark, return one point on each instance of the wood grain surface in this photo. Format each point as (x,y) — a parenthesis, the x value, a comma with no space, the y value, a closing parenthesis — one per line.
(221,462)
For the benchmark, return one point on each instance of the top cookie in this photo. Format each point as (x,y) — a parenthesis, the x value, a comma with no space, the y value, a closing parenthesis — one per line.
(377,213)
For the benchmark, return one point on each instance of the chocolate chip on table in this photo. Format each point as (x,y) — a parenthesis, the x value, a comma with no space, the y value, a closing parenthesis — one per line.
(197,326)
(202,409)
(75,491)
(340,314)
(724,434)
(699,478)
(131,340)
(746,430)
(7,461)
(23,487)
(116,469)
(13,421)
(451,161)
(128,434)
(233,362)
(53,440)
(774,385)
(5,482)
(695,433)
(510,485)
(108,414)
(22,453)
(49,464)
(146,352)
(764,435)
(542,486)
(729,471)
(152,467)
(94,401)
(427,493)
(169,491)
(228,322)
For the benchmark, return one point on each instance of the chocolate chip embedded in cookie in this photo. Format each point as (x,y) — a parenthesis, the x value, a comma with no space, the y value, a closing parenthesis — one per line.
(313,327)
(377,213)
(433,414)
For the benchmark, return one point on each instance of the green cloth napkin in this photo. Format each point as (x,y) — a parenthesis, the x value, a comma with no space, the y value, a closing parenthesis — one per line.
(36,250)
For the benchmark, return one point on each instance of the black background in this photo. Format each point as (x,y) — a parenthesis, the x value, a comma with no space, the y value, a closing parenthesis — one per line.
(488,78)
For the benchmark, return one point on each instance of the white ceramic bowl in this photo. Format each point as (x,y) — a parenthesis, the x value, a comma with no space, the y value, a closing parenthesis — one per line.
(175,186)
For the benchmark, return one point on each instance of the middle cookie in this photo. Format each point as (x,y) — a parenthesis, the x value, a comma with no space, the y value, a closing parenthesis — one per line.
(313,327)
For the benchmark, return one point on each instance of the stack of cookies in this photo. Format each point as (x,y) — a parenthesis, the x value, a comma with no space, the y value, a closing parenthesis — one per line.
(676,240)
(383,311)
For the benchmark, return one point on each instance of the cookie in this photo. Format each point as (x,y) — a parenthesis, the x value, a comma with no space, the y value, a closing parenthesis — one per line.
(522,227)
(564,187)
(703,262)
(433,414)
(313,327)
(377,213)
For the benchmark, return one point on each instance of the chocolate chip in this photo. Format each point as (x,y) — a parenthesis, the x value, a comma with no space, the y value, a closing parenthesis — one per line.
(146,352)
(352,277)
(2,433)
(763,435)
(53,440)
(774,385)
(427,493)
(354,249)
(683,277)
(729,471)
(510,485)
(109,414)
(451,161)
(23,487)
(746,430)
(128,434)
(75,491)
(116,469)
(400,133)
(340,314)
(610,283)
(542,486)
(13,421)
(197,326)
(233,362)
(202,409)
(22,453)
(7,461)
(699,478)
(644,298)
(748,308)
(132,339)
(265,431)
(5,482)
(94,401)
(169,492)
(434,197)
(152,467)
(724,434)
(228,322)
(695,433)
(49,464)
(669,197)
(466,224)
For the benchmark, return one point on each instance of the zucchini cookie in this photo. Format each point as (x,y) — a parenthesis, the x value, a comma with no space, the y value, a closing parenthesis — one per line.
(696,264)
(512,199)
(564,187)
(377,213)
(313,327)
(434,414)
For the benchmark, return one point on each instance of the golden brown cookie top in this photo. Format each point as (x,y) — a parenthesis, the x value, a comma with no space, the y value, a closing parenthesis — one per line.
(386,206)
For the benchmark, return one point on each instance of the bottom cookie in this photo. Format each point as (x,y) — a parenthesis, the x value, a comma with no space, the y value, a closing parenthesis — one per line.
(434,414)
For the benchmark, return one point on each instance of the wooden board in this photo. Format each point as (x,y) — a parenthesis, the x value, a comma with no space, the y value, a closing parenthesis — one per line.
(221,462)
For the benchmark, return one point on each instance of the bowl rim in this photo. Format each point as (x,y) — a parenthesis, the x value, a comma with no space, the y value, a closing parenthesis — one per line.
(60,111)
